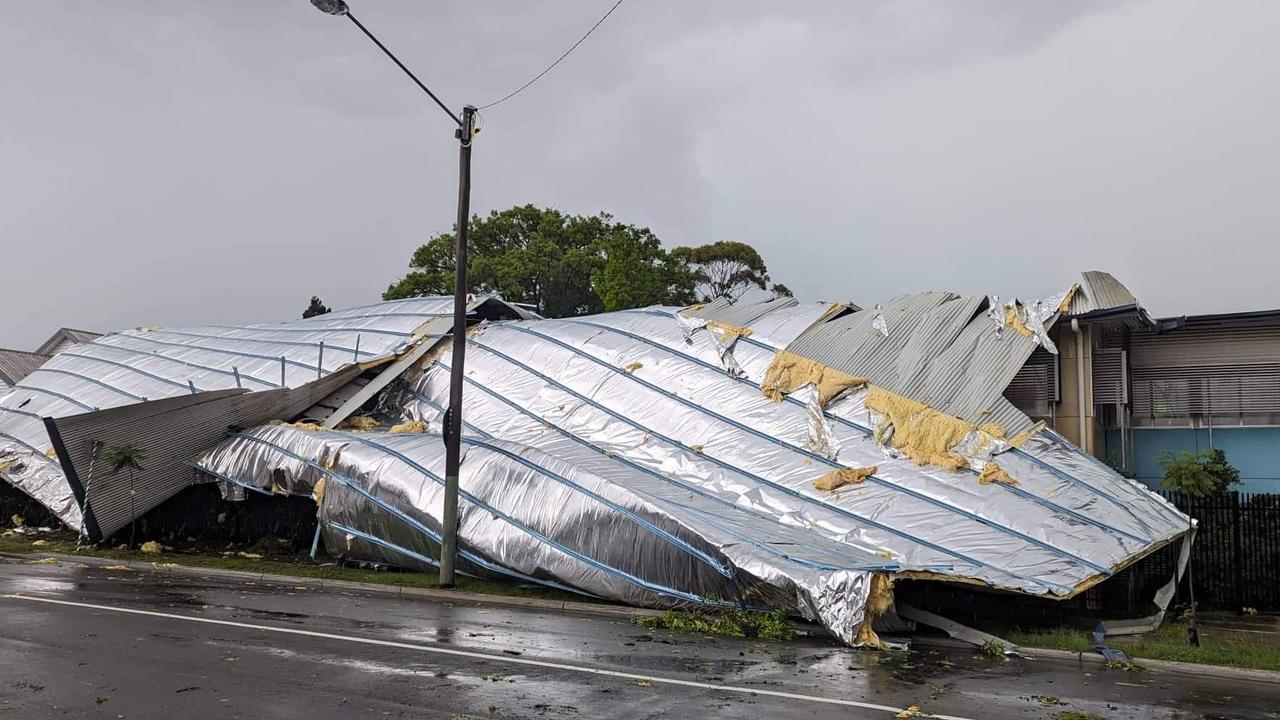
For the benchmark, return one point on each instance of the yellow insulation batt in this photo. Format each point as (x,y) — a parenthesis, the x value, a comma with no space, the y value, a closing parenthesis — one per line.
(991,472)
(728,329)
(879,600)
(360,422)
(789,372)
(1021,438)
(1066,299)
(412,426)
(844,476)
(317,490)
(919,432)
(1012,320)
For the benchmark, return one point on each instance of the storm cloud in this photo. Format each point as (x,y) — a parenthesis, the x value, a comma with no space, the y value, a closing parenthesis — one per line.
(183,162)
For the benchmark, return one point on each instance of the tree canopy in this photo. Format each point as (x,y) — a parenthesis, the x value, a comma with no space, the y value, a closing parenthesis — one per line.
(727,268)
(315,308)
(563,265)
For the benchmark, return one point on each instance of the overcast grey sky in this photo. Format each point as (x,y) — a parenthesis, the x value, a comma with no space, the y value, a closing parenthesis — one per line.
(186,162)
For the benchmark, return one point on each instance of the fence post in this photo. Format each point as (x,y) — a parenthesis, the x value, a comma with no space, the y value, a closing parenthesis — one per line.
(1237,555)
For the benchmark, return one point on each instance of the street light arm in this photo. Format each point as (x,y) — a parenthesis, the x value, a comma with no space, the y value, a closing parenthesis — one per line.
(452,116)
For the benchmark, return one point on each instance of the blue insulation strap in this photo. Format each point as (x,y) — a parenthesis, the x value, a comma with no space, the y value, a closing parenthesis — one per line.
(1077,481)
(291,343)
(123,366)
(488,508)
(639,582)
(707,517)
(21,412)
(220,351)
(269,330)
(153,354)
(815,457)
(229,479)
(781,488)
(428,532)
(720,567)
(466,555)
(1045,502)
(315,540)
(58,395)
(88,379)
(636,519)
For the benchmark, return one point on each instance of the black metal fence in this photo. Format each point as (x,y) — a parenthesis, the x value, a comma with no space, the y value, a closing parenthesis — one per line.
(1235,562)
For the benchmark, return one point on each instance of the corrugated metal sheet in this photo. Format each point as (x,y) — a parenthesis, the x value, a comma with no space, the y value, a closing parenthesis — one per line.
(740,313)
(941,349)
(1100,291)
(17,364)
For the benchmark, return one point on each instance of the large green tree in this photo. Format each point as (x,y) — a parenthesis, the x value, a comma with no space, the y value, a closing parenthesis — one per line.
(727,269)
(563,265)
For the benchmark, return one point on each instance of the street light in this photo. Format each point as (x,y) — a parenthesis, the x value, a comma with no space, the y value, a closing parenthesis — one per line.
(465,132)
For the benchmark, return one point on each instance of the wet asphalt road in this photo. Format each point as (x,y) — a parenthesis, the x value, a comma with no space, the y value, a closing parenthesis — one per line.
(353,655)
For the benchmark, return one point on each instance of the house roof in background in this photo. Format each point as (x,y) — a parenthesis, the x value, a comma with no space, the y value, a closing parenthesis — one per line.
(17,364)
(71,334)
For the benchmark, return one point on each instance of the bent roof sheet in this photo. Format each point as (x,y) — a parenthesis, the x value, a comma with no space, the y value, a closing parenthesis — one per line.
(152,363)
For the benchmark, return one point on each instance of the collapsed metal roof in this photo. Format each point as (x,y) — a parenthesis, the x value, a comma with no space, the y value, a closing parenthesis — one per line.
(144,364)
(641,455)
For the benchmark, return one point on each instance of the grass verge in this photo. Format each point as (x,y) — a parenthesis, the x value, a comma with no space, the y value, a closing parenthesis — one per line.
(1218,646)
(263,558)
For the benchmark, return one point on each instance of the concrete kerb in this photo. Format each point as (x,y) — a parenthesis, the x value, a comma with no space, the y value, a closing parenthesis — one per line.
(609,611)
(430,594)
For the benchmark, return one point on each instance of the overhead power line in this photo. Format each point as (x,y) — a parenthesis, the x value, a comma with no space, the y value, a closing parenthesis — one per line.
(573,47)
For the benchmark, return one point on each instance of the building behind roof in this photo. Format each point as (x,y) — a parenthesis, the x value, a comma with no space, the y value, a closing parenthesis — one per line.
(1153,384)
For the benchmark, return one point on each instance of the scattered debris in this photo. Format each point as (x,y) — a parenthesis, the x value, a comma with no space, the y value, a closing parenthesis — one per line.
(360,422)
(732,623)
(991,472)
(412,426)
(152,547)
(844,476)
